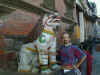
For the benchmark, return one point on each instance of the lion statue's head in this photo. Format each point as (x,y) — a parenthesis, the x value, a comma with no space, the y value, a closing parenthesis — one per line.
(48,20)
(51,20)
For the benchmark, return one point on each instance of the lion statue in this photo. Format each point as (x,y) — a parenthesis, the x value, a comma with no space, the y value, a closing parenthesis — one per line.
(40,55)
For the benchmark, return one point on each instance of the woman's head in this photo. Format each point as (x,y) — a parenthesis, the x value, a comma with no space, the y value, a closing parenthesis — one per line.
(66,38)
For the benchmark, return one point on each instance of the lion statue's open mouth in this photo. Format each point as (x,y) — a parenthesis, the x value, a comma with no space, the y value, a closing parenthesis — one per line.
(52,20)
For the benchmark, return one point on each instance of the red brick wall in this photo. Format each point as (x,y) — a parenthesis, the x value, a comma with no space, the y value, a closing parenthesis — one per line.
(34,2)
(60,6)
(19,23)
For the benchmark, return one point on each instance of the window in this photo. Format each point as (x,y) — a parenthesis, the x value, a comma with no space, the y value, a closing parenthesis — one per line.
(10,43)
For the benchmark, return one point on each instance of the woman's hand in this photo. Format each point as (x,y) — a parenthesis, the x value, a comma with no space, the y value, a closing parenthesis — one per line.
(75,66)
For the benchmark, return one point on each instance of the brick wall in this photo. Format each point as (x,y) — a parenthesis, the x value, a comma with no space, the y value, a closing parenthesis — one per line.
(60,6)
(34,2)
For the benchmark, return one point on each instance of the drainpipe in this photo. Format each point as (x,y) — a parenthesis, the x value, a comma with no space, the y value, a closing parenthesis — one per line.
(81,21)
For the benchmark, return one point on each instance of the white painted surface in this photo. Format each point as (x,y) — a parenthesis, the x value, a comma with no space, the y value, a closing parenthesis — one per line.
(81,20)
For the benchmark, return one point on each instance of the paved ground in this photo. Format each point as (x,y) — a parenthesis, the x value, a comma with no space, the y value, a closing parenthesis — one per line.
(96,63)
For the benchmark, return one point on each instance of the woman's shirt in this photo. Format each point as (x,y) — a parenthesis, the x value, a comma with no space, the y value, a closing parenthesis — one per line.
(70,55)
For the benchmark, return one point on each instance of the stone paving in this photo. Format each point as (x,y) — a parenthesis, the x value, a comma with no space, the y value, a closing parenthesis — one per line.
(96,63)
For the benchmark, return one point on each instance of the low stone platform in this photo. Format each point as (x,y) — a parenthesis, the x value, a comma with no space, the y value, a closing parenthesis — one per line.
(27,73)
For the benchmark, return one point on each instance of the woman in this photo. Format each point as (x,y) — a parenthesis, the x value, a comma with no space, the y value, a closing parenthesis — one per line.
(69,54)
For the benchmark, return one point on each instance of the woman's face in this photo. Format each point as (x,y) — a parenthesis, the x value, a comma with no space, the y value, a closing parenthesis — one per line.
(66,38)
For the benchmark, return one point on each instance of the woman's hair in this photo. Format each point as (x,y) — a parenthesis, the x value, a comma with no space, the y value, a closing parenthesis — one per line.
(65,32)
(83,45)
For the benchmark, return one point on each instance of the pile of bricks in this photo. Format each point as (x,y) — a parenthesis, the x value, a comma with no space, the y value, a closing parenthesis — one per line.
(8,62)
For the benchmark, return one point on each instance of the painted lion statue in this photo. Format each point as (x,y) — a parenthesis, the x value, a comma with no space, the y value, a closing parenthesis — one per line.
(40,55)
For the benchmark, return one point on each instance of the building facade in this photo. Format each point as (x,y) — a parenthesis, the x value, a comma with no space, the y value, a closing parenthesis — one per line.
(20,22)
(86,19)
